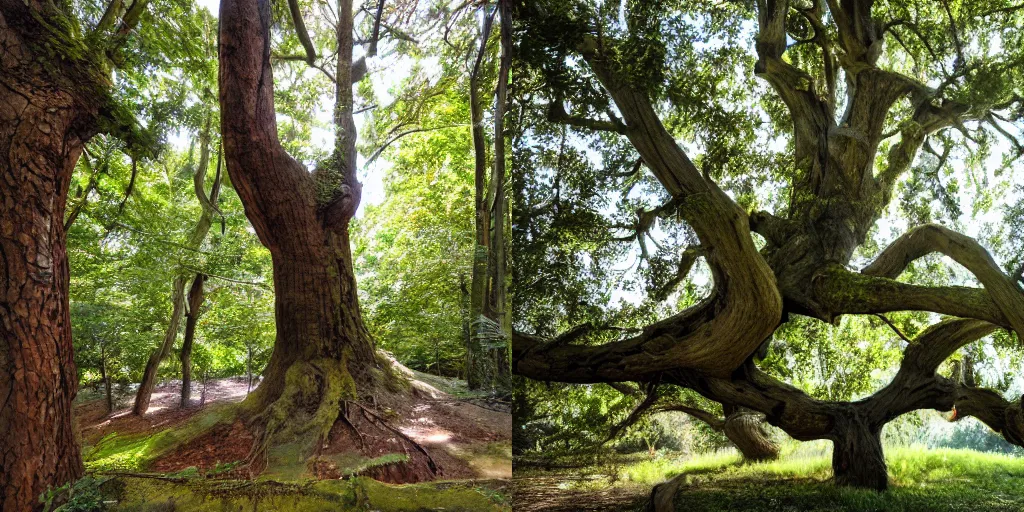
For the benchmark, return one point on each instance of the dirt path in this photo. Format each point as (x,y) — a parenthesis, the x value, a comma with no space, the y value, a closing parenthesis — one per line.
(548,493)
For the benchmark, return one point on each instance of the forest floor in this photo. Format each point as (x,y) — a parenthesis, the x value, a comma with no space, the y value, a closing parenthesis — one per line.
(467,434)
(921,480)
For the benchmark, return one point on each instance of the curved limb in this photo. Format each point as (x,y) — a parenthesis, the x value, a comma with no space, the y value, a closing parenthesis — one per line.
(963,249)
(743,427)
(717,335)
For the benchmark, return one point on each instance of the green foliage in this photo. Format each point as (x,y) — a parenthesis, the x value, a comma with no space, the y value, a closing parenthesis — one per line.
(413,252)
(82,495)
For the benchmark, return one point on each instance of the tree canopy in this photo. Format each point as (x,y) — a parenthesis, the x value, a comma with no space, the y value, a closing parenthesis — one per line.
(727,196)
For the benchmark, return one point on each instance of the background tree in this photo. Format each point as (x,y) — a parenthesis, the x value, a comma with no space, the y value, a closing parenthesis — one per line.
(412,250)
(489,321)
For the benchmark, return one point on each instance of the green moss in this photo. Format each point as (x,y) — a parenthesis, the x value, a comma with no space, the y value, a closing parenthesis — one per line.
(327,177)
(136,451)
(147,495)
(293,434)
(351,464)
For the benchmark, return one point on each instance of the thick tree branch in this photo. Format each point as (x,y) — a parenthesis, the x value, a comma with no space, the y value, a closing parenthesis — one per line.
(966,251)
(916,386)
(839,291)
(301,32)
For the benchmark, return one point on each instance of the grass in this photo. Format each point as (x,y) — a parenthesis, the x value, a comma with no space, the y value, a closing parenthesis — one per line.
(921,479)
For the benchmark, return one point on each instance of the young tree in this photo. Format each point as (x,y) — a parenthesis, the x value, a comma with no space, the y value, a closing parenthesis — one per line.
(486,353)
(181,306)
(862,90)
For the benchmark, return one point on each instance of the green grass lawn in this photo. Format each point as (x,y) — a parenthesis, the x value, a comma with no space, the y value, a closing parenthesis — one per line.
(921,479)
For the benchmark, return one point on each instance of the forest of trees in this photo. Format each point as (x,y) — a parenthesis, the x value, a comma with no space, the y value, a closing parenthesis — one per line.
(659,254)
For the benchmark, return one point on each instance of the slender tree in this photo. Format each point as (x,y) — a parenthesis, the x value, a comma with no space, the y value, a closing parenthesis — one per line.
(486,359)
(208,202)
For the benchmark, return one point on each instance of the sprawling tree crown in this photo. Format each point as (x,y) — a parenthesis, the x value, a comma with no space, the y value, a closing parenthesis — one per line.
(812,160)
(797,121)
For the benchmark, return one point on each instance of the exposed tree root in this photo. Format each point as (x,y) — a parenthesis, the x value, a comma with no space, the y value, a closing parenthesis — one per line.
(380,421)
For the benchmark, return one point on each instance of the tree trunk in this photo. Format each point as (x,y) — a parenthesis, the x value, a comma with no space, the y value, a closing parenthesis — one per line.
(199,232)
(323,350)
(248,367)
(464,306)
(745,429)
(195,301)
(44,123)
(106,379)
(145,392)
(499,211)
(857,458)
(478,369)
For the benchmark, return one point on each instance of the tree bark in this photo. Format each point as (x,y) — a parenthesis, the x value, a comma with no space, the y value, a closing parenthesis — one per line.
(46,116)
(857,458)
(145,393)
(51,101)
(195,302)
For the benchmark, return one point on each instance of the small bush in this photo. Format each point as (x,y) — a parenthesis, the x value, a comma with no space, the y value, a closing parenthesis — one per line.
(83,495)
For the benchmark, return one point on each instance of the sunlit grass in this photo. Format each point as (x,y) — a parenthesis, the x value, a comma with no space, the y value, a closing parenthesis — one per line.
(921,479)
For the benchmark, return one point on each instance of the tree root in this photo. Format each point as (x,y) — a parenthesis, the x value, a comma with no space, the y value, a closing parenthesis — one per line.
(380,421)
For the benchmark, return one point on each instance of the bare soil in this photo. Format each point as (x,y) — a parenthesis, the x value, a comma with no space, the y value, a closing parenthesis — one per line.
(545,493)
(467,438)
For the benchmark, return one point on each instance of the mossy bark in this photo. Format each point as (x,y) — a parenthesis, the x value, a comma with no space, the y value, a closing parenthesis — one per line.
(323,356)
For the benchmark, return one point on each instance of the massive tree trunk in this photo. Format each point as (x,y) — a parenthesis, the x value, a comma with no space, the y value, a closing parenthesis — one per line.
(323,357)
(857,458)
(47,113)
(195,302)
